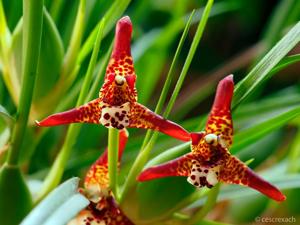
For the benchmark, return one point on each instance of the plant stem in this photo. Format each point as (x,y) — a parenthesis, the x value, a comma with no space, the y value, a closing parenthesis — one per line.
(190,56)
(32,33)
(144,154)
(167,84)
(56,172)
(113,146)
(209,204)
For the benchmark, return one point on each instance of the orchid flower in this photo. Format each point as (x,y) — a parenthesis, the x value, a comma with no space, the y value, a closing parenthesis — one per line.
(102,208)
(210,160)
(117,104)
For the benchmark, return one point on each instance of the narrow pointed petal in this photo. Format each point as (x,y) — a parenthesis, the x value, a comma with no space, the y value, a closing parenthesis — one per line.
(264,187)
(142,117)
(98,173)
(236,172)
(119,83)
(220,121)
(88,113)
(177,167)
(122,37)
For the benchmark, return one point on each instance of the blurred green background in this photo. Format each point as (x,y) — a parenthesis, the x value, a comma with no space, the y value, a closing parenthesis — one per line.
(238,34)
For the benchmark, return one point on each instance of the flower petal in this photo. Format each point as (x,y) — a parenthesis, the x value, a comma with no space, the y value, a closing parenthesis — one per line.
(109,215)
(119,83)
(177,167)
(88,113)
(142,117)
(122,37)
(220,121)
(236,172)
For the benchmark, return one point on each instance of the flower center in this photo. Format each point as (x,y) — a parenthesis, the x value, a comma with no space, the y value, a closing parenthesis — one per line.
(211,139)
(120,80)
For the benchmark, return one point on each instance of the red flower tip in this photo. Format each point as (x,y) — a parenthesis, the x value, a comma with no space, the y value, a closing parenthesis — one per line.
(123,37)
(224,94)
(264,187)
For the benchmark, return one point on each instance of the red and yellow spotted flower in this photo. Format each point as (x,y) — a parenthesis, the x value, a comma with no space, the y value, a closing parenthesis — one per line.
(117,104)
(210,160)
(102,208)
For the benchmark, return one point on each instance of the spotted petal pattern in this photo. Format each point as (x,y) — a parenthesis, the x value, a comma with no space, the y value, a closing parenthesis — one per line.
(210,160)
(117,103)
(219,121)
(102,208)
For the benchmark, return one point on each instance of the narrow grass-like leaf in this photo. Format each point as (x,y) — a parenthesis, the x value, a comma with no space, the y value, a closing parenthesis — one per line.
(194,96)
(144,154)
(111,16)
(163,36)
(53,202)
(154,48)
(31,49)
(260,73)
(277,23)
(190,56)
(252,134)
(241,139)
(167,84)
(75,42)
(294,154)
(285,62)
(56,172)
(10,79)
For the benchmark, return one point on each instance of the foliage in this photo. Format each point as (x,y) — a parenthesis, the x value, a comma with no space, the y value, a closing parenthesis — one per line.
(53,56)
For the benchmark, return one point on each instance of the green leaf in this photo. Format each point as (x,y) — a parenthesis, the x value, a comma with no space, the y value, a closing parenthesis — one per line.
(250,135)
(15,197)
(153,47)
(6,124)
(75,42)
(56,172)
(50,59)
(111,16)
(6,117)
(260,73)
(61,205)
(231,192)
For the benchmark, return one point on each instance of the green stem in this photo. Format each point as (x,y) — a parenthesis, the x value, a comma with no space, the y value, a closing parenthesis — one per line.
(167,84)
(209,204)
(144,154)
(56,172)
(113,146)
(32,33)
(190,56)
(55,9)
